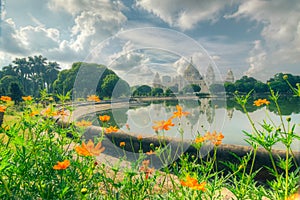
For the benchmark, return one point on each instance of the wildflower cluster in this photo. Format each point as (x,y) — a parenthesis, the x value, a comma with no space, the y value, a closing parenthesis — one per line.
(214,137)
(193,183)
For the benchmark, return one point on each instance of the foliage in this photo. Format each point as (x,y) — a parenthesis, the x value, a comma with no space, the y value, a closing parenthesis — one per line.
(31,74)
(157,92)
(43,159)
(143,90)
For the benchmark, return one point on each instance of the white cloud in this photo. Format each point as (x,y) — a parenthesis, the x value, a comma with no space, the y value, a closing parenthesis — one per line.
(183,14)
(9,41)
(281,34)
(38,38)
(95,20)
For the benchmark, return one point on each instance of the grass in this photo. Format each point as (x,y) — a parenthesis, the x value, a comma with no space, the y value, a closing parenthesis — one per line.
(39,160)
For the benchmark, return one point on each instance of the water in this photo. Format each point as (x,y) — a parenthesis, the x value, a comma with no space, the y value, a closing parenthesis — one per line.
(206,114)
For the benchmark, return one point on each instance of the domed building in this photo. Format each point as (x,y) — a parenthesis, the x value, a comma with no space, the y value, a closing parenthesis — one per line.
(192,76)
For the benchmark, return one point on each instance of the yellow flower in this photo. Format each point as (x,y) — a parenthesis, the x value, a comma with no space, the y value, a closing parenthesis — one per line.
(122,144)
(162,125)
(28,98)
(93,98)
(111,129)
(5,98)
(83,123)
(260,102)
(62,165)
(179,113)
(193,183)
(104,118)
(2,108)
(84,190)
(89,149)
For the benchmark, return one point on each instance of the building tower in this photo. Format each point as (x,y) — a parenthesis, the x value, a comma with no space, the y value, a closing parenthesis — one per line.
(210,75)
(157,81)
(229,78)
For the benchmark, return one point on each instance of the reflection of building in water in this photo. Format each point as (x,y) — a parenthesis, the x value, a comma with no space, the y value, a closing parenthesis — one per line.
(230,113)
(229,77)
(210,114)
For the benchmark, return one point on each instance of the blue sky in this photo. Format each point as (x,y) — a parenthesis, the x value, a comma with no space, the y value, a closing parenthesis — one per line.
(255,38)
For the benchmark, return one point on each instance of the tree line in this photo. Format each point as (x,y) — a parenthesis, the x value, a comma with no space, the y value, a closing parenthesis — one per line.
(31,75)
(245,84)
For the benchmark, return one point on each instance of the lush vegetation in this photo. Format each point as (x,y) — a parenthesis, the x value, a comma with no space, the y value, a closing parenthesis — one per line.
(43,159)
(33,74)
(246,84)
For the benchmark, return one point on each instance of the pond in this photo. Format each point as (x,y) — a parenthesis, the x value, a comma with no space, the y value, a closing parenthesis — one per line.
(206,114)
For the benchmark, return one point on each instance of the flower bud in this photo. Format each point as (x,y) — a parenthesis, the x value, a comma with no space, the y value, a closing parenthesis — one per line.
(84,190)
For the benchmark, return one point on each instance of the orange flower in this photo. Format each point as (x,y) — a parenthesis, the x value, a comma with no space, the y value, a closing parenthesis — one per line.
(163,125)
(215,138)
(193,183)
(89,149)
(28,98)
(62,165)
(33,113)
(104,118)
(93,98)
(5,98)
(83,123)
(145,168)
(199,139)
(295,196)
(49,112)
(2,108)
(260,102)
(179,112)
(111,129)
(139,138)
(122,144)
(150,152)
(62,113)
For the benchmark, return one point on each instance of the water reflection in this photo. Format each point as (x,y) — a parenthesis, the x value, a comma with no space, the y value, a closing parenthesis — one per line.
(206,114)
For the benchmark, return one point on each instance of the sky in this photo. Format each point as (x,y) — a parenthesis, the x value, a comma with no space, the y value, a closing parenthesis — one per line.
(137,38)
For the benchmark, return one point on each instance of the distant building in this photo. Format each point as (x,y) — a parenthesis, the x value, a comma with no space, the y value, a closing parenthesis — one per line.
(157,81)
(229,77)
(166,81)
(210,75)
(190,76)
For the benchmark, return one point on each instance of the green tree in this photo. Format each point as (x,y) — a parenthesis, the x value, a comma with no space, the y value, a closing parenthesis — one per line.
(229,87)
(157,92)
(15,92)
(109,83)
(143,90)
(169,92)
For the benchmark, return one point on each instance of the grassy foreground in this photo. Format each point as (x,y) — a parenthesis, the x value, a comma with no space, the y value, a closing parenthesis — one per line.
(38,159)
